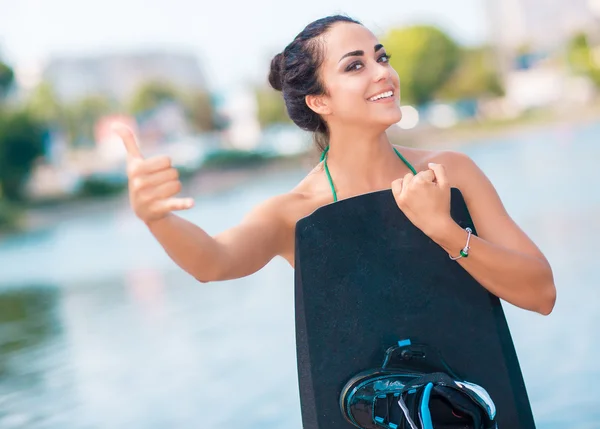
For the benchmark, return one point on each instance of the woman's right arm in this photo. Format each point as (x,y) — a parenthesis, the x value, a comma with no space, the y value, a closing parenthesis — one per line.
(236,252)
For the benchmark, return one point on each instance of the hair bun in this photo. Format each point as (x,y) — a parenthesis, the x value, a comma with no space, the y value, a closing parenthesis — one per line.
(275,78)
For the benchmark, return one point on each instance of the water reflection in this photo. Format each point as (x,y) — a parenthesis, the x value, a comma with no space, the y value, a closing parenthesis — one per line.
(32,349)
(104,331)
(28,317)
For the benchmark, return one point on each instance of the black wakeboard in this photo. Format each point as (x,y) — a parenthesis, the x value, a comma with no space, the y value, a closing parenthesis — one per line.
(365,278)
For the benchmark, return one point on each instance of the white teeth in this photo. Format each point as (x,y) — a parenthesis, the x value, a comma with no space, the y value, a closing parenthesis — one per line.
(382,95)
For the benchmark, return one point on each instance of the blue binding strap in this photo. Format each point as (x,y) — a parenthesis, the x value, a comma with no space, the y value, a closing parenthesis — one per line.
(425,413)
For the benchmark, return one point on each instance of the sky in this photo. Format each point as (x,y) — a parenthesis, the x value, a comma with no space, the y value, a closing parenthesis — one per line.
(234,40)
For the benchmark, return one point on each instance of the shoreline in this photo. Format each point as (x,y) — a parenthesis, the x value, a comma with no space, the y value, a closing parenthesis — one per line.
(202,183)
(212,180)
(468,134)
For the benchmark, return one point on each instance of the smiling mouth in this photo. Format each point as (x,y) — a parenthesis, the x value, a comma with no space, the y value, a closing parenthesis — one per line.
(382,95)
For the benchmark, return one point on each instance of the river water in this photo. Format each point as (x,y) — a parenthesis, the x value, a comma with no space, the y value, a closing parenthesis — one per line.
(100,329)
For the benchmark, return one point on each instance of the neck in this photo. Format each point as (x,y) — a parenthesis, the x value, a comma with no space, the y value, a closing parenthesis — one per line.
(361,162)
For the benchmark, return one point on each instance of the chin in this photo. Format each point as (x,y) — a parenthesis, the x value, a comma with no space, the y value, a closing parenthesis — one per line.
(390,118)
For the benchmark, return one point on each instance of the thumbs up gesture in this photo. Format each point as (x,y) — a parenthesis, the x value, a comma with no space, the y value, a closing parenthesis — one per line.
(153,182)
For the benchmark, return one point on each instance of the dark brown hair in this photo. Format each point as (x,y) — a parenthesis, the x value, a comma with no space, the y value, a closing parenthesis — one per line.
(294,72)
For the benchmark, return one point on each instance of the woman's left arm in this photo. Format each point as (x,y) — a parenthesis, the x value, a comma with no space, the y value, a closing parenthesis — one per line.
(501,257)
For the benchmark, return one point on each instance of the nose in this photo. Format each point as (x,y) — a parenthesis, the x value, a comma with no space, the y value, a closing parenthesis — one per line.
(382,72)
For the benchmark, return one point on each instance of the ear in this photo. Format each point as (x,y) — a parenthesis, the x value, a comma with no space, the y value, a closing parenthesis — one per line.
(318,104)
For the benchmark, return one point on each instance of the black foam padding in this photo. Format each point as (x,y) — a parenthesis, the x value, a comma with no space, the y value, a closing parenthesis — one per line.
(365,278)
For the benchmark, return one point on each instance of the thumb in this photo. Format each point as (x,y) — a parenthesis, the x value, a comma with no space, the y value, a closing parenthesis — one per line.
(397,187)
(131,146)
(440,174)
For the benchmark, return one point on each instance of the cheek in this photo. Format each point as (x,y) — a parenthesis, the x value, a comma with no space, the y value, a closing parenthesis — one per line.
(349,98)
(396,79)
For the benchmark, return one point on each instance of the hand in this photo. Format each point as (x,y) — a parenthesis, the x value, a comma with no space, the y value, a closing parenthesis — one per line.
(425,199)
(152,182)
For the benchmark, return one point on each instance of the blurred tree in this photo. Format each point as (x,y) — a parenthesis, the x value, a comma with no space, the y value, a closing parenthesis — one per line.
(7,77)
(151,94)
(83,114)
(475,77)
(425,57)
(581,58)
(200,111)
(197,104)
(271,107)
(525,48)
(44,105)
(77,119)
(21,142)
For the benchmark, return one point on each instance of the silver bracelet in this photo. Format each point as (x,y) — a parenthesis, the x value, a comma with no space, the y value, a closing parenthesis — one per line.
(465,250)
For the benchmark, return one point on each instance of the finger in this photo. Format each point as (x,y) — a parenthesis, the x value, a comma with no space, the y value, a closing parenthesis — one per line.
(397,187)
(426,176)
(440,174)
(131,146)
(160,177)
(173,204)
(154,165)
(141,181)
(167,190)
(406,181)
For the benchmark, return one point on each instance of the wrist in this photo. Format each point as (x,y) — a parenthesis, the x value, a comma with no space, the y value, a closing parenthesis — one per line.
(152,224)
(449,235)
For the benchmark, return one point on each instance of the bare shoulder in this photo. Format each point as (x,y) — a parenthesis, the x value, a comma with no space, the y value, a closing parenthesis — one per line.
(308,195)
(276,208)
(459,166)
(282,212)
(480,195)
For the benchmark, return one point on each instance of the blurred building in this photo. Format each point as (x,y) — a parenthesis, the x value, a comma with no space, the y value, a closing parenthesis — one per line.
(530,38)
(538,26)
(541,24)
(240,109)
(119,75)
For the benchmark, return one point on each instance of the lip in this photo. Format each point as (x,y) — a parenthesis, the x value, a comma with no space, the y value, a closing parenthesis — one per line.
(391,88)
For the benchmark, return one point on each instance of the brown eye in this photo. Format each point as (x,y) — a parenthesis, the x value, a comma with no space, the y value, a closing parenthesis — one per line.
(354,66)
(385,58)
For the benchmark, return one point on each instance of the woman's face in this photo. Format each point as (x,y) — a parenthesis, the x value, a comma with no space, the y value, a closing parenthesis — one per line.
(361,86)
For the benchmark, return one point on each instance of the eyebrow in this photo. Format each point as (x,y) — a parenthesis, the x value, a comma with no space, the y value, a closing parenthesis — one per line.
(360,53)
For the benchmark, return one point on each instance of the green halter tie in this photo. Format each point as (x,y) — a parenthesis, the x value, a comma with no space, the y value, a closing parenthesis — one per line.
(324,160)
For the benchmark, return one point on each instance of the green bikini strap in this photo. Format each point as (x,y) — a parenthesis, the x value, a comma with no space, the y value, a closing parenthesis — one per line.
(324,160)
(406,162)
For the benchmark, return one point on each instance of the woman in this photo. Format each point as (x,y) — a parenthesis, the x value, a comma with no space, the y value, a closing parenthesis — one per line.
(337,82)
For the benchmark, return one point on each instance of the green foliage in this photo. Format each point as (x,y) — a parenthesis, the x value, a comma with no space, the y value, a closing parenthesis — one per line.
(10,215)
(151,95)
(200,112)
(83,115)
(525,49)
(98,186)
(7,77)
(424,57)
(581,58)
(234,158)
(77,119)
(271,107)
(21,143)
(475,77)
(197,104)
(43,104)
